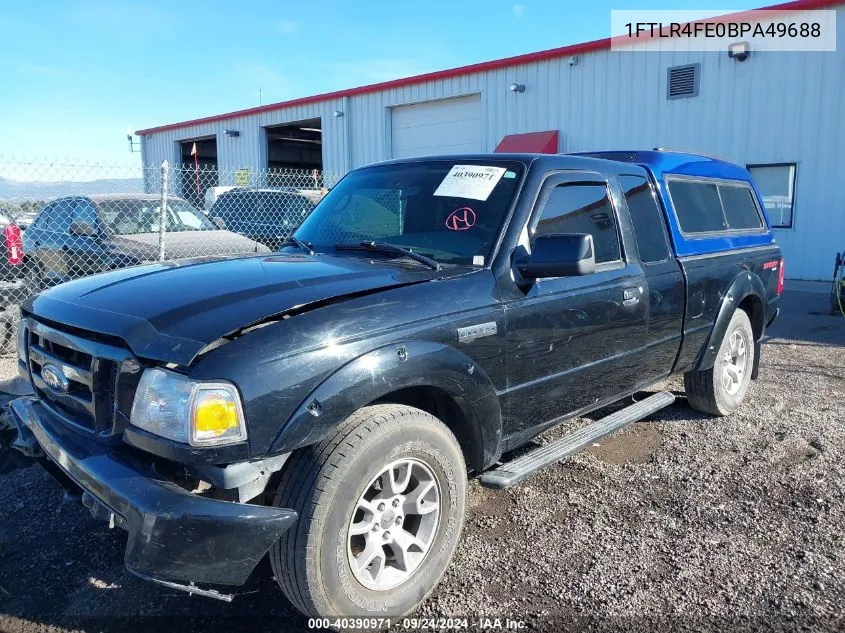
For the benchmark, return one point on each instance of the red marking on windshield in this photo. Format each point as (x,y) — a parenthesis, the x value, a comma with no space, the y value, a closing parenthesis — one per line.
(461,219)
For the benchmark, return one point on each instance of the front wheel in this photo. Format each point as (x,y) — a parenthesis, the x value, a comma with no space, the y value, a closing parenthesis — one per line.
(381,507)
(721,389)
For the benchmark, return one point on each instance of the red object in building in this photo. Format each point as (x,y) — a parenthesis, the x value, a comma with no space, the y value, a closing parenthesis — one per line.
(530,143)
(14,244)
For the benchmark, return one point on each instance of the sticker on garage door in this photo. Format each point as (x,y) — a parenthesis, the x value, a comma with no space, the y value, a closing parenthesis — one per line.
(470,181)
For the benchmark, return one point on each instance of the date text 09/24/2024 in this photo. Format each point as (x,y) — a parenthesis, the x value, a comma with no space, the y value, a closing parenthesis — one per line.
(480,623)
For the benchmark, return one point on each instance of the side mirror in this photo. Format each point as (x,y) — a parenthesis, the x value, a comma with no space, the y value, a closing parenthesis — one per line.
(82,229)
(559,255)
(219,222)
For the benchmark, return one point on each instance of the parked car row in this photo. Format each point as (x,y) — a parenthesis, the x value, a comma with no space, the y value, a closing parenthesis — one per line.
(76,236)
(82,235)
(269,216)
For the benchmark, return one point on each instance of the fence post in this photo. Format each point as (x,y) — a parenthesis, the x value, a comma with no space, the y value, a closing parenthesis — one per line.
(165,182)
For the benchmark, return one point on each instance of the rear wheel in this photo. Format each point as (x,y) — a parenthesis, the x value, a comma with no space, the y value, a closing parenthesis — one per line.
(721,389)
(381,507)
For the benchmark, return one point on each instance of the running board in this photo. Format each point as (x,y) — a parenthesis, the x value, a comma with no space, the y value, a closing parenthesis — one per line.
(513,472)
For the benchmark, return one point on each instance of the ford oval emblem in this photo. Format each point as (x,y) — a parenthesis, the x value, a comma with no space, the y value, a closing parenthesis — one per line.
(54,378)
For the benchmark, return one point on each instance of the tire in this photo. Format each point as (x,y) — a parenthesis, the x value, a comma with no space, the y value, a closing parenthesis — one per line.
(326,485)
(717,390)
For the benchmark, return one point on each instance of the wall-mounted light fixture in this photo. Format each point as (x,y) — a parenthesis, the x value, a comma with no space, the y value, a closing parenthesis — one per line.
(517,87)
(232,133)
(739,51)
(573,61)
(134,146)
(337,114)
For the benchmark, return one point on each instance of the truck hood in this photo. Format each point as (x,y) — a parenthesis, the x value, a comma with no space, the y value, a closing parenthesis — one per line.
(170,311)
(180,244)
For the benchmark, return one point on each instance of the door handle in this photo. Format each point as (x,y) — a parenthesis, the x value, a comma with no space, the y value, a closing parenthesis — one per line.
(631,296)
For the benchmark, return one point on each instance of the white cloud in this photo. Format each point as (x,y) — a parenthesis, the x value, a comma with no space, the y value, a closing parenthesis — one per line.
(286,27)
(518,10)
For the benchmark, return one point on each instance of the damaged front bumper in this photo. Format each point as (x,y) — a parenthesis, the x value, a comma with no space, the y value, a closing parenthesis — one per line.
(175,537)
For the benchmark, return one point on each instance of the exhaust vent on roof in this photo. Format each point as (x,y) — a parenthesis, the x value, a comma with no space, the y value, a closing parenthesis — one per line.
(682,81)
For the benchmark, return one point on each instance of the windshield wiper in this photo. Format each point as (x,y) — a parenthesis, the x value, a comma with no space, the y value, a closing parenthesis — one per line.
(384,247)
(304,246)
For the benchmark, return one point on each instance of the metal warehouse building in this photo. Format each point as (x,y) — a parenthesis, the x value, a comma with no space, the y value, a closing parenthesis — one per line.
(780,113)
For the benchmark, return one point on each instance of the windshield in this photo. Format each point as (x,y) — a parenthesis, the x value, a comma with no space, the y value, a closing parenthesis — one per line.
(131,217)
(449,211)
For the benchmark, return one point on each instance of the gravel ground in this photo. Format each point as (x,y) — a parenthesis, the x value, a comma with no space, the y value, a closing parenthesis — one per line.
(680,522)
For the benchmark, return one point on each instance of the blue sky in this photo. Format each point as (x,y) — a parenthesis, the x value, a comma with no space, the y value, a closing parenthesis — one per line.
(77,73)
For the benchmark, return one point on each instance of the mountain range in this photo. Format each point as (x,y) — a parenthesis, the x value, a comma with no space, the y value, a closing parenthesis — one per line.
(45,190)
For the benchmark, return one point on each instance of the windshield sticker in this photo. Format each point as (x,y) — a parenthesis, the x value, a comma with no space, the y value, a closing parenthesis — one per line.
(475,182)
(461,219)
(478,260)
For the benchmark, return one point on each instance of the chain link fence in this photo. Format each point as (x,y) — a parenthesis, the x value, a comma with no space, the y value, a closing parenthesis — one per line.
(64,220)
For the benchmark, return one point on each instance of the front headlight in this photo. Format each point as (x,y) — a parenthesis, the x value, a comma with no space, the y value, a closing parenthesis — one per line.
(198,413)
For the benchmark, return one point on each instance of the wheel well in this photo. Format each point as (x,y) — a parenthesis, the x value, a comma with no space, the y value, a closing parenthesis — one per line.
(445,408)
(753,307)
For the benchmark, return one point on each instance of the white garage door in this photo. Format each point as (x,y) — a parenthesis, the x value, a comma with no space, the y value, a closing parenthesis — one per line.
(449,126)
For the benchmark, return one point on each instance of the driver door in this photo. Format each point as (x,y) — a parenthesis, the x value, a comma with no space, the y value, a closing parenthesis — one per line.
(83,253)
(573,340)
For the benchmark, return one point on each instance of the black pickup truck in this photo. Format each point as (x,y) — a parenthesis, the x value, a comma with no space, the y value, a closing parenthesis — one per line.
(326,403)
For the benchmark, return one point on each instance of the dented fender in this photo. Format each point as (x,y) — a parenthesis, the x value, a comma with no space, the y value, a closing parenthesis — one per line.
(388,369)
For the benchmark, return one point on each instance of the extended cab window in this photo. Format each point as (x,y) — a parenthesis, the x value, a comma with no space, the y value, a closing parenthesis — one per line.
(582,208)
(649,226)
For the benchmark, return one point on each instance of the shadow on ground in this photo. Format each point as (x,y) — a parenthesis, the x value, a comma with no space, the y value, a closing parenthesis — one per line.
(805,316)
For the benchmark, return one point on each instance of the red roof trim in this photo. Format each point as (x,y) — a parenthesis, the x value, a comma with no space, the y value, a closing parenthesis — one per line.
(553,53)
